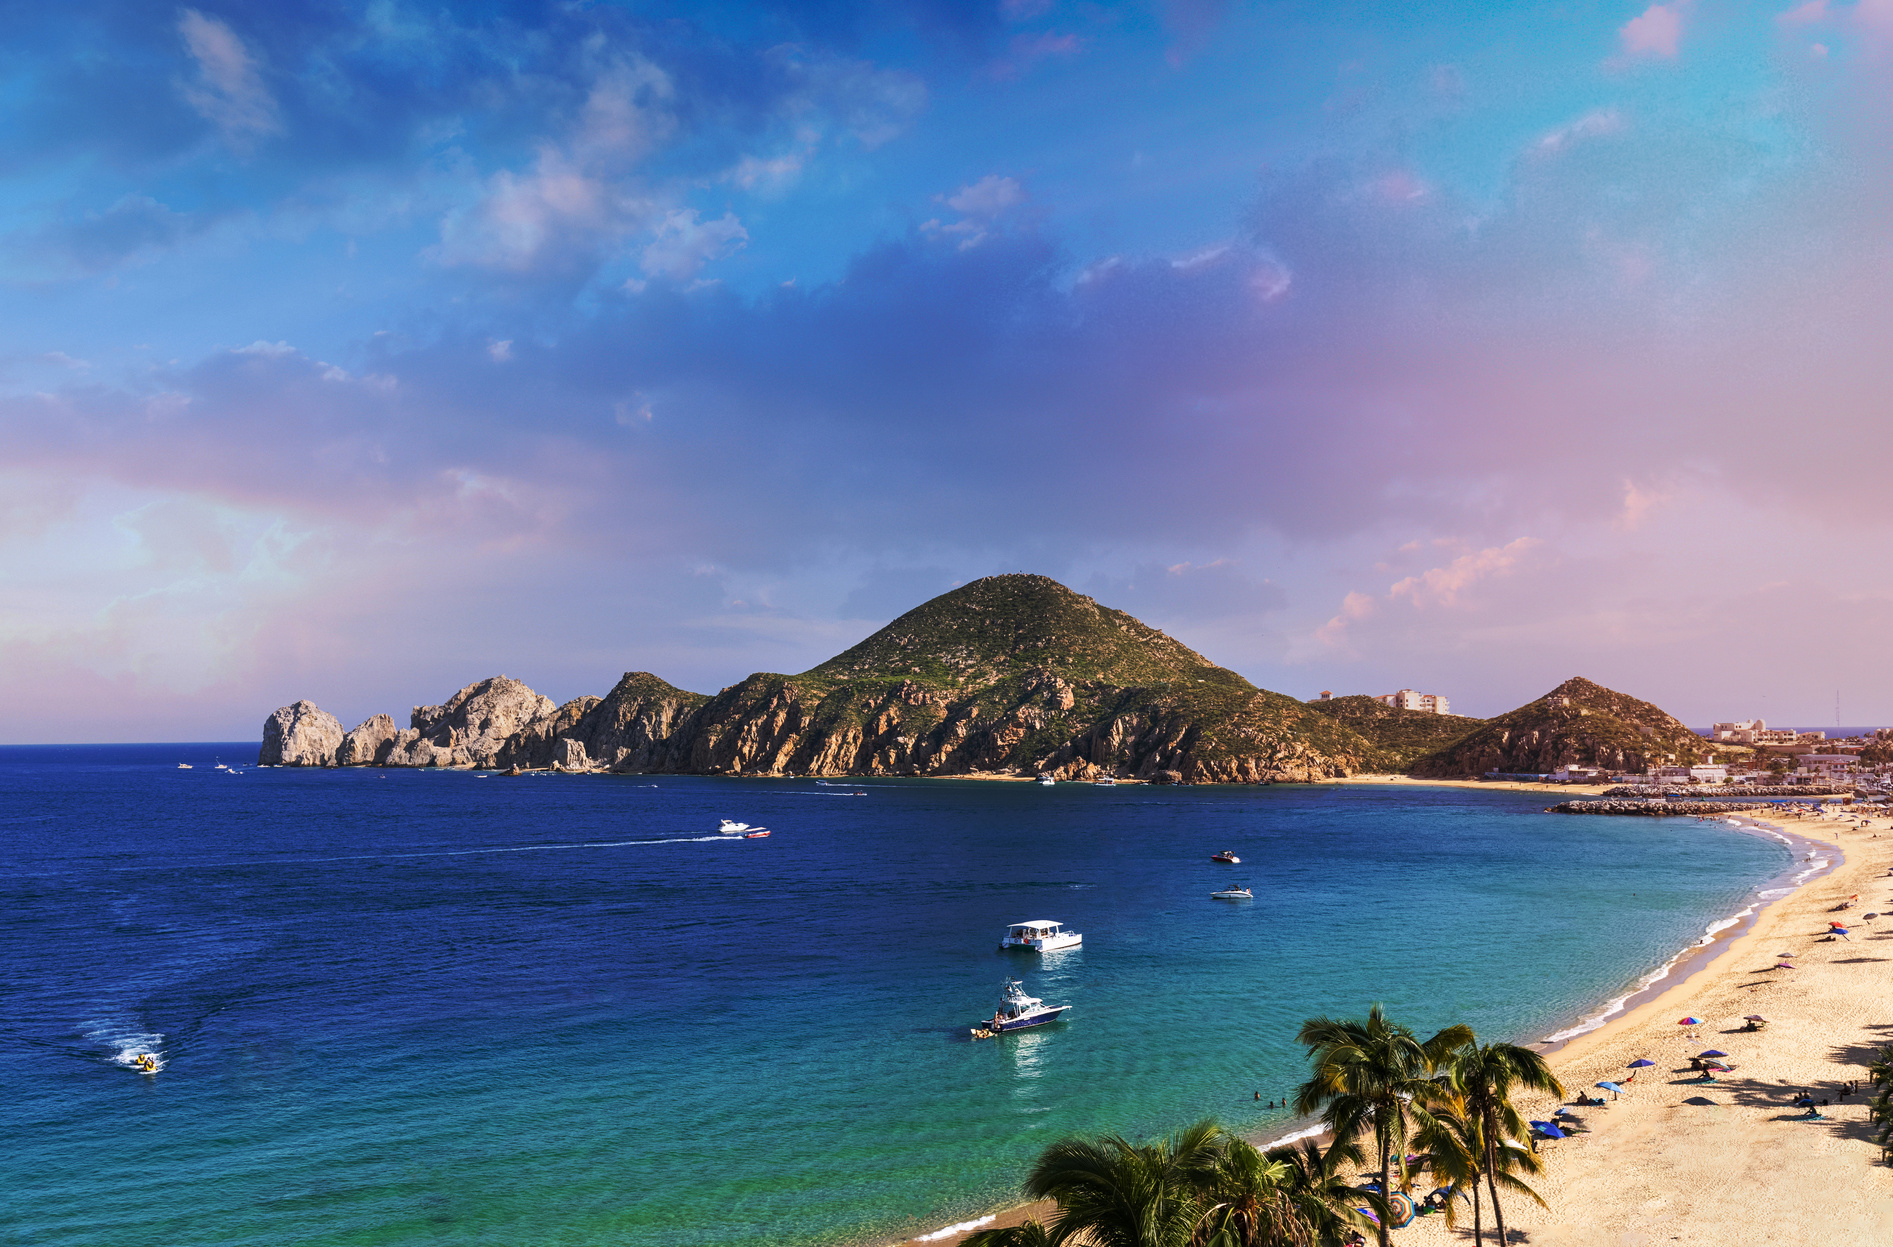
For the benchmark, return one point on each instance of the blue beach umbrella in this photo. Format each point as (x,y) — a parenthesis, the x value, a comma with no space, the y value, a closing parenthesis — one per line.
(1713,1052)
(1613,1088)
(1640,1062)
(1548,1130)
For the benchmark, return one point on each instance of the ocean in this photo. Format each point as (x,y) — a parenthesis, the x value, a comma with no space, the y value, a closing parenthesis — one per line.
(434,1007)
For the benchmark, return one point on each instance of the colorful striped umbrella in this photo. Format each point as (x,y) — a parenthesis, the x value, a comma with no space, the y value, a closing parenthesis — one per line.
(1691,1020)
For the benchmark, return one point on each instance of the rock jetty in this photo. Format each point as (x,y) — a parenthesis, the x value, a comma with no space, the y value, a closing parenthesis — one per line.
(1655,809)
(1717,792)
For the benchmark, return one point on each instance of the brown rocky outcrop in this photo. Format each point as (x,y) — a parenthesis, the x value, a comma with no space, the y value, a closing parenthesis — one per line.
(302,734)
(478,726)
(368,745)
(1013,674)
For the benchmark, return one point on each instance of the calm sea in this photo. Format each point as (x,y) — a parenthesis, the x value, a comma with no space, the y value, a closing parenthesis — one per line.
(436,1007)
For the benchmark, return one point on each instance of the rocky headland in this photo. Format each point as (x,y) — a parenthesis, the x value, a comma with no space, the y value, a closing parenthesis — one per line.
(1006,675)
(1576,722)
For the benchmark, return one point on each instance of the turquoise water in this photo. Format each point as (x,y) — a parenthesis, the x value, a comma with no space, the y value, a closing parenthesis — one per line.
(410,1007)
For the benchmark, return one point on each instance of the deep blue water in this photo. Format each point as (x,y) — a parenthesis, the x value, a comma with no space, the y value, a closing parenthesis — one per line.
(435,1007)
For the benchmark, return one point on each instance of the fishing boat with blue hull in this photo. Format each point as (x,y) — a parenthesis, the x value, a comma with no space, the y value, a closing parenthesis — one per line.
(1017,1011)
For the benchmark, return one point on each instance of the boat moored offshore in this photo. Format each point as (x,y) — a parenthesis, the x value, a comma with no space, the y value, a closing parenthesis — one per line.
(1040,935)
(730,827)
(1017,1011)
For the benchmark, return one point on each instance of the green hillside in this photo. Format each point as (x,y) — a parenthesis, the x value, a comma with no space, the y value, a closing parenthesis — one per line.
(1399,736)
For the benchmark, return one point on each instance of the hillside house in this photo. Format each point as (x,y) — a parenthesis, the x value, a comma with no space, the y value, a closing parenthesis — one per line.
(1411,699)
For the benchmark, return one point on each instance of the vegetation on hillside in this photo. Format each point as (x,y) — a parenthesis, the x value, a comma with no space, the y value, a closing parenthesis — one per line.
(1577,722)
(1018,672)
(1399,736)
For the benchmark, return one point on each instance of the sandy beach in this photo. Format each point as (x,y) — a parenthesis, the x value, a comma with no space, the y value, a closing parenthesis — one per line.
(1682,1161)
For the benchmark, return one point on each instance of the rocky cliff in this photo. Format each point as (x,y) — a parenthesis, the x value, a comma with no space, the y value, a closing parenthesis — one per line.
(1576,722)
(1011,674)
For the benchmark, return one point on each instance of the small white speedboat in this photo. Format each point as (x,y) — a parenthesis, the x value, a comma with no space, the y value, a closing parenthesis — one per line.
(1040,935)
(1106,782)
(730,827)
(183,766)
(1017,1011)
(1046,781)
(1232,894)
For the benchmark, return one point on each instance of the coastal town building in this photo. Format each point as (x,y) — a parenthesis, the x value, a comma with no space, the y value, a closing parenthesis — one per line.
(1826,765)
(1709,774)
(1574,774)
(1411,699)
(1741,731)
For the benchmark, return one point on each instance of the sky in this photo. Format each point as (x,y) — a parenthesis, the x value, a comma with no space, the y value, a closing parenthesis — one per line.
(358,351)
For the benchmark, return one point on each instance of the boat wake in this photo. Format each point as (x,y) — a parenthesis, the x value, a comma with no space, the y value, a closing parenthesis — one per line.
(127,1044)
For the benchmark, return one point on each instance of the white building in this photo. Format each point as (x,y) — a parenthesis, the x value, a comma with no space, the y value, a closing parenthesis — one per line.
(1410,699)
(1709,774)
(1826,765)
(1572,773)
(1742,731)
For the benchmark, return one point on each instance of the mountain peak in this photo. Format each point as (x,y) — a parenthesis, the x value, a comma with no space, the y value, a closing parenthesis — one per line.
(998,626)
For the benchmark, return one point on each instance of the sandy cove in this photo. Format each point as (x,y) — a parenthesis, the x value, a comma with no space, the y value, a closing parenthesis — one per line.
(1685,1162)
(1676,1161)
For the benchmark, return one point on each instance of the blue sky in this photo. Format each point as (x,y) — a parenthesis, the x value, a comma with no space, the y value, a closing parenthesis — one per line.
(357,351)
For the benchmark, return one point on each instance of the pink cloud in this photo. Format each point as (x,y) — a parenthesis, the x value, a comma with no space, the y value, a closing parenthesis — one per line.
(1441,586)
(1654,32)
(1804,14)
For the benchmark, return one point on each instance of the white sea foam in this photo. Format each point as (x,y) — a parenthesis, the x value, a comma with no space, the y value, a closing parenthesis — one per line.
(1296,1137)
(963,1227)
(127,1042)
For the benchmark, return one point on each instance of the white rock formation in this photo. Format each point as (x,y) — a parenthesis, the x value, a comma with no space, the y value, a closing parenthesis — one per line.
(300,735)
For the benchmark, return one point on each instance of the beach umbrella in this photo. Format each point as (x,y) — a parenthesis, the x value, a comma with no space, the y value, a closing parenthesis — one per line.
(1548,1130)
(1784,965)
(1613,1088)
(1754,1017)
(1713,1052)
(1640,1062)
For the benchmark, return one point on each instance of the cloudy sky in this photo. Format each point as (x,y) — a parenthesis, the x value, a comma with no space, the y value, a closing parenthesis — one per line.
(354,351)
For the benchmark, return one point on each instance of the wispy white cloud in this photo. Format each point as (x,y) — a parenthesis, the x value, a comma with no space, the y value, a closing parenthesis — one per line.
(228,89)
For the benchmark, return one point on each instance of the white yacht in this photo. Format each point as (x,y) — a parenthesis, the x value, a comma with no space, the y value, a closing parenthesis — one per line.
(1232,894)
(1046,781)
(730,827)
(1041,935)
(1017,1011)
(1106,782)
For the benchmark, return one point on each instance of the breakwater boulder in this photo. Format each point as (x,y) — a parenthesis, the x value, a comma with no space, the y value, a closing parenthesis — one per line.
(1724,792)
(302,734)
(1654,809)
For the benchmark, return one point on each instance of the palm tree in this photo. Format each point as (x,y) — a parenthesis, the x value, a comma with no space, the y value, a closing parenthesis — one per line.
(1116,1193)
(1248,1203)
(1026,1234)
(1486,1076)
(1317,1183)
(1453,1149)
(1880,1107)
(1373,1075)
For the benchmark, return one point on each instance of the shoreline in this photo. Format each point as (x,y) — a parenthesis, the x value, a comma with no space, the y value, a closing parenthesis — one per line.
(1691,971)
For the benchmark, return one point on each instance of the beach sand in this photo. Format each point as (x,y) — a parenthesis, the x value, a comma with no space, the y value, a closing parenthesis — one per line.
(1675,1161)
